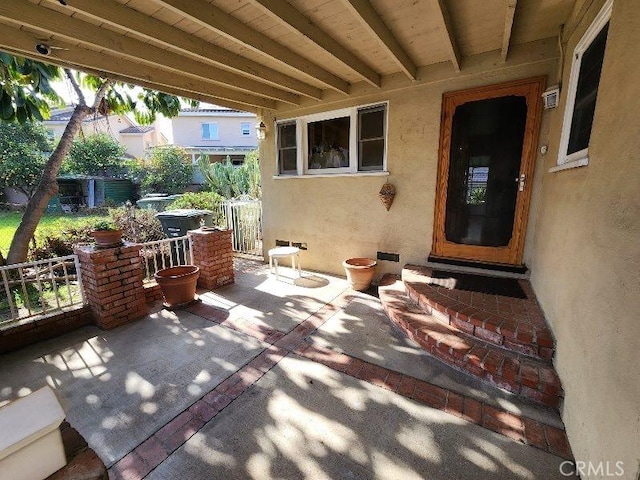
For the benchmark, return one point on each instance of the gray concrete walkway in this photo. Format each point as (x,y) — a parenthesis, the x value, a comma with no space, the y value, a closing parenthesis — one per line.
(151,397)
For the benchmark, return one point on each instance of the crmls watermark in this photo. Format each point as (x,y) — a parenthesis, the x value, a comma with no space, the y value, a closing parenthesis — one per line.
(589,469)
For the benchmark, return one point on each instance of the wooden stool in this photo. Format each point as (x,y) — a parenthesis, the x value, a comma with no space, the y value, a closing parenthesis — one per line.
(283,252)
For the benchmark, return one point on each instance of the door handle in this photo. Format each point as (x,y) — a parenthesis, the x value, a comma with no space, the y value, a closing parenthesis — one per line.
(521,180)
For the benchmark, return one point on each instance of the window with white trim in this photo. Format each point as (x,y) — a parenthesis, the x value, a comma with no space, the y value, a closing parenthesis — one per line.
(583,91)
(350,140)
(245,129)
(210,131)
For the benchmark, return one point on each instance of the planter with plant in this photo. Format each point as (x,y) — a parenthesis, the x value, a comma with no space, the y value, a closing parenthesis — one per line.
(106,234)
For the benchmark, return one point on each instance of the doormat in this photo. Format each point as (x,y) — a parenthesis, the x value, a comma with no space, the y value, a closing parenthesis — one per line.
(506,287)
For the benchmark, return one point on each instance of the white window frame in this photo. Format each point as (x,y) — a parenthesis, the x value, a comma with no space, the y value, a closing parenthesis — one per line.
(302,123)
(581,157)
(210,139)
(247,129)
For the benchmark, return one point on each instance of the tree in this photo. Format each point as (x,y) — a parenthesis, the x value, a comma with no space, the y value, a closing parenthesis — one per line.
(23,151)
(25,94)
(167,171)
(97,154)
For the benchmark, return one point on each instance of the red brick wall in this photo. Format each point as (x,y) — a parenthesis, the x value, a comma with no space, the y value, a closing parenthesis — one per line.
(18,336)
(152,292)
(213,253)
(112,280)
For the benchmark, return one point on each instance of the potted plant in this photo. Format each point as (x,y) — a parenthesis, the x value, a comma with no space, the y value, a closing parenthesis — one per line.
(106,234)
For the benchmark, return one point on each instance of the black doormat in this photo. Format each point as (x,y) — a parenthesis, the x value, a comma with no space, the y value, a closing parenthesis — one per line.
(506,287)
(486,266)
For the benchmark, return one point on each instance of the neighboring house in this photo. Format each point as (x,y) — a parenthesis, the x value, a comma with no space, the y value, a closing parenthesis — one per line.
(215,133)
(123,129)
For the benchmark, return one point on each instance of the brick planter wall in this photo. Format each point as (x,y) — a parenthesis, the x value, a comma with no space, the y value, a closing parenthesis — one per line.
(213,253)
(152,292)
(15,337)
(112,280)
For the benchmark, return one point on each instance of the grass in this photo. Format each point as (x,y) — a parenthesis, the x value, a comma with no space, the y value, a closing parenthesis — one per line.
(9,222)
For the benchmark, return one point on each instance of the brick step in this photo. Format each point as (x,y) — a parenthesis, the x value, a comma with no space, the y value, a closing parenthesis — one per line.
(521,375)
(516,324)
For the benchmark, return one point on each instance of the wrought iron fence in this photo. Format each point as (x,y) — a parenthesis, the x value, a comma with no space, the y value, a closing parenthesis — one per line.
(159,254)
(244,217)
(43,287)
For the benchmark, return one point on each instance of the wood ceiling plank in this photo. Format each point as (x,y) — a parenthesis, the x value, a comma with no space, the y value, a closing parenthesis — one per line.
(111,66)
(212,17)
(151,28)
(370,18)
(289,15)
(59,24)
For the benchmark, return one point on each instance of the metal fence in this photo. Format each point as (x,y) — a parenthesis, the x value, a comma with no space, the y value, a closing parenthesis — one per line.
(159,254)
(43,287)
(244,217)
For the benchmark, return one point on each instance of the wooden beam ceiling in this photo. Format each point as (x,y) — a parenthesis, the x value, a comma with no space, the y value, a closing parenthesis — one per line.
(508,27)
(51,22)
(365,12)
(286,13)
(215,19)
(118,68)
(445,21)
(116,14)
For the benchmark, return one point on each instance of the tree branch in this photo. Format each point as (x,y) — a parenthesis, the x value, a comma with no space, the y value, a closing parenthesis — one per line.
(76,87)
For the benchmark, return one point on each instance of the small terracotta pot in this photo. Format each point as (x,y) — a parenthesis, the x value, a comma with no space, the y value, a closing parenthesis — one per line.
(107,238)
(360,272)
(178,284)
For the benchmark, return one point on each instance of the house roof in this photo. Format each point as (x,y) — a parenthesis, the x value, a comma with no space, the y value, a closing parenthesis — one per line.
(137,129)
(267,54)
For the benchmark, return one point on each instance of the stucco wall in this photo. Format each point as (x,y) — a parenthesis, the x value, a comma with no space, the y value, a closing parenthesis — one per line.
(187,130)
(342,217)
(136,144)
(586,257)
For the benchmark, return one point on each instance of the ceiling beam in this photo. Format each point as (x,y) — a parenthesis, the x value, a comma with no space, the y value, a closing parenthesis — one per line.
(114,13)
(508,27)
(211,17)
(289,15)
(370,19)
(445,22)
(59,24)
(67,54)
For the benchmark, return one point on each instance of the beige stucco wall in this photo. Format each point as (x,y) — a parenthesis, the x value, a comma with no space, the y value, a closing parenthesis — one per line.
(137,143)
(187,130)
(586,257)
(342,217)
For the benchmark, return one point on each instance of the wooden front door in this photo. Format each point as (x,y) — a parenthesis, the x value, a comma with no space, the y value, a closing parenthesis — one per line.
(488,144)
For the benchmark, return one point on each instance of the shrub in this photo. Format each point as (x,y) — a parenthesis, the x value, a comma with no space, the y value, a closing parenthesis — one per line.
(232,181)
(59,242)
(96,154)
(144,228)
(167,171)
(202,201)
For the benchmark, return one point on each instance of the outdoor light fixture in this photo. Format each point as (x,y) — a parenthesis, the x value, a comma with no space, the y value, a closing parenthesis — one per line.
(261,131)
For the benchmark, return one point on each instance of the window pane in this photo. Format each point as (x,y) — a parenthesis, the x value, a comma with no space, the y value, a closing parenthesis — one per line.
(288,160)
(372,123)
(205,130)
(328,142)
(586,93)
(371,154)
(245,128)
(287,135)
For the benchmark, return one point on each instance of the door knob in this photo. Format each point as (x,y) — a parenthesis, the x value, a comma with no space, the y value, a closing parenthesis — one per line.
(520,180)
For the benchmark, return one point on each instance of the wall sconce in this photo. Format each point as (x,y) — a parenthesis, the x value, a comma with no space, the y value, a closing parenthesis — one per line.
(261,131)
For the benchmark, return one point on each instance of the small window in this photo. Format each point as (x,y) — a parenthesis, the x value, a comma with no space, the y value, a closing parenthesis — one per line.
(328,143)
(245,129)
(210,131)
(371,135)
(583,91)
(287,149)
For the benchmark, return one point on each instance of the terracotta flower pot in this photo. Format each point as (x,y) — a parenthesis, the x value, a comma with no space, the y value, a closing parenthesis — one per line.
(360,272)
(178,284)
(107,238)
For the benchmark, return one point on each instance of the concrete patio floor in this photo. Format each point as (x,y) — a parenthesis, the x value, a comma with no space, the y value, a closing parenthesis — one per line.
(234,388)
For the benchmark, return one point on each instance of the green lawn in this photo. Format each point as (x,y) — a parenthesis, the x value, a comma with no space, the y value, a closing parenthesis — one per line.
(9,221)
